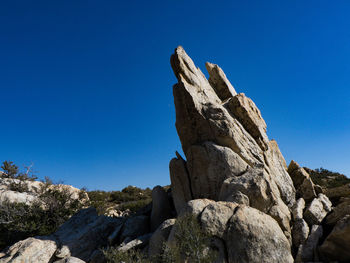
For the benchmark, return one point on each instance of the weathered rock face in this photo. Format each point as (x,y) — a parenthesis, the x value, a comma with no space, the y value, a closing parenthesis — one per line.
(223,135)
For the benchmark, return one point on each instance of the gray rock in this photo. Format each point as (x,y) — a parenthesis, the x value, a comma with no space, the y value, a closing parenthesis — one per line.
(337,244)
(159,237)
(180,182)
(138,242)
(161,209)
(317,210)
(97,257)
(135,226)
(308,252)
(300,232)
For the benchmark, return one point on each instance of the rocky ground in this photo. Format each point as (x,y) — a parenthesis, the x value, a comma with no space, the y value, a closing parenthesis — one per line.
(232,180)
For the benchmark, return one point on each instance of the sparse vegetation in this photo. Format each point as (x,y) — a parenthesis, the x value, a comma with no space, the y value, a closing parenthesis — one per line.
(18,220)
(131,197)
(326,178)
(191,244)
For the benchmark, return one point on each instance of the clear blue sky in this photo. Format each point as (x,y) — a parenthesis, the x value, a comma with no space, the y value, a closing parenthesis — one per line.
(86,86)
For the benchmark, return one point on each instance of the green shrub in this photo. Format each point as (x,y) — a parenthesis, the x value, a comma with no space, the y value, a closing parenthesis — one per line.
(326,178)
(130,198)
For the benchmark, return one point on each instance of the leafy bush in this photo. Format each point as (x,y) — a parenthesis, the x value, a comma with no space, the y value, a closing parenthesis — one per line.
(326,178)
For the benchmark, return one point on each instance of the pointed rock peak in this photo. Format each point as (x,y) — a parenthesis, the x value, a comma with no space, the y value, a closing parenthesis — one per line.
(219,82)
(183,67)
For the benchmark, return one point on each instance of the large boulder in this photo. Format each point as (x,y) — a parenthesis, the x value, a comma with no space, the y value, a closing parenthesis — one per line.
(253,236)
(79,237)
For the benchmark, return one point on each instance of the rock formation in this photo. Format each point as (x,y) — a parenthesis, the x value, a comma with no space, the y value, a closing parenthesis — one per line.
(233,180)
(223,135)
(232,173)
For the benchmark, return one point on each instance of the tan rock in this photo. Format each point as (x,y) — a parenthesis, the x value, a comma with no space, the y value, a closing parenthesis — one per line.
(246,112)
(215,217)
(195,207)
(209,165)
(253,236)
(39,250)
(219,82)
